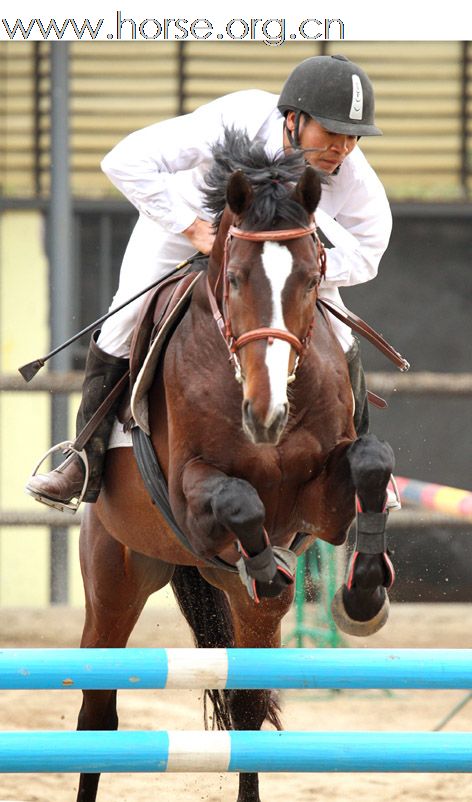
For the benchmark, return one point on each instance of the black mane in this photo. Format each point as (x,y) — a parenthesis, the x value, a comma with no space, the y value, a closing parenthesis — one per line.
(272,181)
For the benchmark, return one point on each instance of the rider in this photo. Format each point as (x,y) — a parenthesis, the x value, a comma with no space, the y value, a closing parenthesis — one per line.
(325,106)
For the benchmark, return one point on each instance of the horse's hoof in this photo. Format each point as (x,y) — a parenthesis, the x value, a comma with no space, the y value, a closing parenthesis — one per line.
(349,625)
(270,590)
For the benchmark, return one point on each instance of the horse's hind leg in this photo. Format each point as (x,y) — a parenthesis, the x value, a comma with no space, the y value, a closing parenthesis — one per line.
(255,626)
(361,606)
(117,583)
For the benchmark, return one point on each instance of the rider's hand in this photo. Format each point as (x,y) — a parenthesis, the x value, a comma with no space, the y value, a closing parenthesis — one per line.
(201,234)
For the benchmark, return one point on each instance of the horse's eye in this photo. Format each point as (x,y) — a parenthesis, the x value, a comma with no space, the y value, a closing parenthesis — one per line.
(233,281)
(313,283)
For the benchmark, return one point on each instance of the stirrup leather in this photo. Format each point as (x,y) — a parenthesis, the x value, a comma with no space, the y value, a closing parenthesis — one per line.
(67,448)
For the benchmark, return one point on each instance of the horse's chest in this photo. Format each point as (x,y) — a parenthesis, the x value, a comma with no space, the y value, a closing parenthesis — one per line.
(280,469)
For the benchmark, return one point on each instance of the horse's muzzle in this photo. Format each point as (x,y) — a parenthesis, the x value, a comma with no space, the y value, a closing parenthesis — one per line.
(268,431)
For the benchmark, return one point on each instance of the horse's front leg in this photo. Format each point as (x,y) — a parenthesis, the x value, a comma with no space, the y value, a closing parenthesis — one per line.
(221,510)
(361,606)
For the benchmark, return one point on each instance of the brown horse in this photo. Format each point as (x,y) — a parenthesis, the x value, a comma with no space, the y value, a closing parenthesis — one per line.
(249,464)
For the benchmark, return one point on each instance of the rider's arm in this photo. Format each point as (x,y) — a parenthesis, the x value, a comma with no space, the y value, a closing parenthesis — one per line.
(159,168)
(147,168)
(201,233)
(355,216)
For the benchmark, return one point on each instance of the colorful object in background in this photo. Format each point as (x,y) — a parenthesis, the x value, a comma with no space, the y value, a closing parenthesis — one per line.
(448,500)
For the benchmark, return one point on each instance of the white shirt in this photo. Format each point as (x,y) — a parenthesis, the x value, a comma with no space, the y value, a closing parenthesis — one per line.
(161,168)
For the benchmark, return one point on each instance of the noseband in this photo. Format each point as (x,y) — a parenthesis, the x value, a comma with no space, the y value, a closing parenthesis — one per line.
(223,320)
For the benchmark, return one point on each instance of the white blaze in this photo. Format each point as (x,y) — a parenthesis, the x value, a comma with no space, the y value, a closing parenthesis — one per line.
(277,263)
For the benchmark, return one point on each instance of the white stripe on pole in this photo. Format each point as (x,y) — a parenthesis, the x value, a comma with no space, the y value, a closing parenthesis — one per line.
(202,751)
(209,665)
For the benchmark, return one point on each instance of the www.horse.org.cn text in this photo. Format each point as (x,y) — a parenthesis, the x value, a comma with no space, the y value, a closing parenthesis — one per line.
(272,31)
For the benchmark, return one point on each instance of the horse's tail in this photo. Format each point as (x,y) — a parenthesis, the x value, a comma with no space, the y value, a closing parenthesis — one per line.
(207,612)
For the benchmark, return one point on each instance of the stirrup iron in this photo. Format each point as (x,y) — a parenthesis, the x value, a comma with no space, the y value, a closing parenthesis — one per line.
(67,448)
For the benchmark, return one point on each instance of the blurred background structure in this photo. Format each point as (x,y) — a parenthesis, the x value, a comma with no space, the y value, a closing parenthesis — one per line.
(63,229)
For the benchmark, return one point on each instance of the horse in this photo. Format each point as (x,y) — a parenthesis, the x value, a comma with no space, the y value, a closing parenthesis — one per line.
(251,419)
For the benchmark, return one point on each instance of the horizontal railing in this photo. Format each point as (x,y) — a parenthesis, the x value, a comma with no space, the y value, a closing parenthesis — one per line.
(161,668)
(420,383)
(451,385)
(403,519)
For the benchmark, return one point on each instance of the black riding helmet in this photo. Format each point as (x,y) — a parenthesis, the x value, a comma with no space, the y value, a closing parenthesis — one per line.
(333,91)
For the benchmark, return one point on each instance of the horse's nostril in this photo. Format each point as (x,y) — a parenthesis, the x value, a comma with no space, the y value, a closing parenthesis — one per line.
(267,430)
(279,419)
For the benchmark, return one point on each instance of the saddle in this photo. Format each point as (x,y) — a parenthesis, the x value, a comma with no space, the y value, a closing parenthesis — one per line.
(161,312)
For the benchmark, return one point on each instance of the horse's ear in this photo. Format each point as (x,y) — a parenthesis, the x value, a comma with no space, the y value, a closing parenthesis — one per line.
(239,193)
(308,190)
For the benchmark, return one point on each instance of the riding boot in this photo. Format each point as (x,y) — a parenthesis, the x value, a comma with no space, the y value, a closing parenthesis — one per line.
(359,389)
(361,411)
(102,372)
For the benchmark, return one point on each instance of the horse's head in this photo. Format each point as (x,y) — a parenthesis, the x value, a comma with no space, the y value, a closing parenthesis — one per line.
(273,266)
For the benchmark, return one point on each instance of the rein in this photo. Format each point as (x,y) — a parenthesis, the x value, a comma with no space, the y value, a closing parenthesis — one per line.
(223,320)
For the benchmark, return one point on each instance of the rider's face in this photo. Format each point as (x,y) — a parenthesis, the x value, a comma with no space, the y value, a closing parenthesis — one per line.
(330,149)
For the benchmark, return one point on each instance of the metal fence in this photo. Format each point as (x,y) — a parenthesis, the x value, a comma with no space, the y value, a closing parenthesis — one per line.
(423,92)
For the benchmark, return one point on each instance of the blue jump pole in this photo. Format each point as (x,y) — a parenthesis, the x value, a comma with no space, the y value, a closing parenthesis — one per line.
(34,669)
(92,752)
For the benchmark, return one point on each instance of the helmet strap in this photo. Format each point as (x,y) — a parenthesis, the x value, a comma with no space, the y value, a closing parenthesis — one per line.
(294,136)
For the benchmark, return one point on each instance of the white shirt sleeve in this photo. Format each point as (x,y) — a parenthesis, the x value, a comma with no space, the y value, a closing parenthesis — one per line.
(357,220)
(158,167)
(143,166)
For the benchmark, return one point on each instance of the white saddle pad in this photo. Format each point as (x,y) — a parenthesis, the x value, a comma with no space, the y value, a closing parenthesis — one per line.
(119,438)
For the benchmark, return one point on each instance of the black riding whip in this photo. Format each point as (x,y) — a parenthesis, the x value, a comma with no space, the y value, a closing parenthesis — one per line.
(30,370)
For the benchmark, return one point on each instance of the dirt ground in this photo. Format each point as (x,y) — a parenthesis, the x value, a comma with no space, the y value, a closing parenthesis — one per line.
(446,625)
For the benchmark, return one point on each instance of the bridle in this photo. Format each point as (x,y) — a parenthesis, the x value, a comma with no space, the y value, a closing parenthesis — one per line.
(223,319)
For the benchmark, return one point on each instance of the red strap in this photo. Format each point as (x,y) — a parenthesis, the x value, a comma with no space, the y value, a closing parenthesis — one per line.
(271,236)
(361,327)
(376,400)
(270,335)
